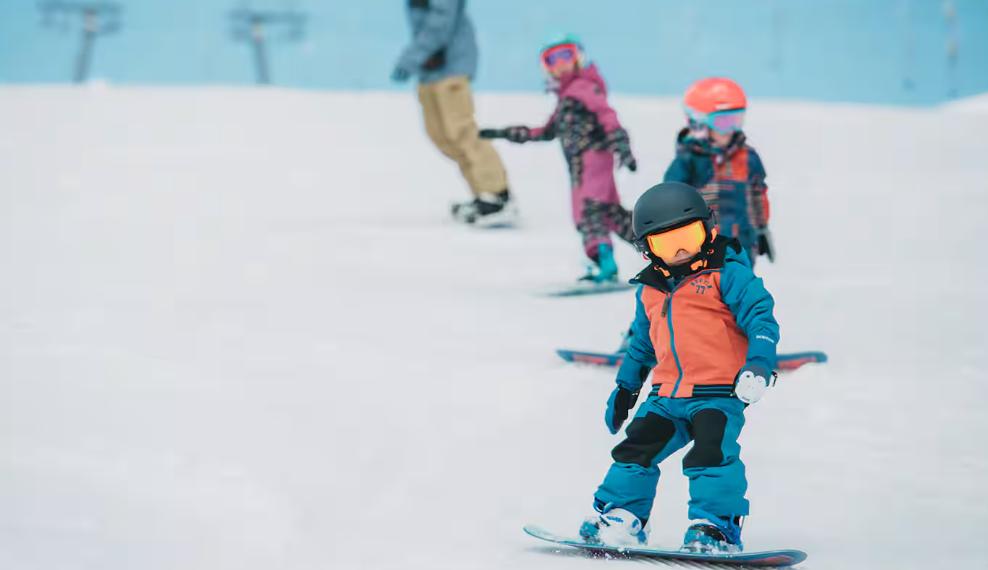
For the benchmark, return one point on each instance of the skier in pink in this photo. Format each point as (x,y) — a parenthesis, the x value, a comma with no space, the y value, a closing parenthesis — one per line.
(591,135)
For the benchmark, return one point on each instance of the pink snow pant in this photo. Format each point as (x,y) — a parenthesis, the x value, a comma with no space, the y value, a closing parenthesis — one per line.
(597,207)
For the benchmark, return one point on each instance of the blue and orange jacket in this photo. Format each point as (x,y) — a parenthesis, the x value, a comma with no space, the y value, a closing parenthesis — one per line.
(696,333)
(731,180)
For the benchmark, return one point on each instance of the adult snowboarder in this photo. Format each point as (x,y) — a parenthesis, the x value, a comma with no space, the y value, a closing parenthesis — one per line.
(443,56)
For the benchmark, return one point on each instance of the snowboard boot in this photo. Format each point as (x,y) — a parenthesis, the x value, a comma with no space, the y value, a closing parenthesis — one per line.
(614,526)
(487,210)
(604,268)
(722,535)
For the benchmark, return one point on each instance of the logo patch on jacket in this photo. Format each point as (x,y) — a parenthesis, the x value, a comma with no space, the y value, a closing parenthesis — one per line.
(701,284)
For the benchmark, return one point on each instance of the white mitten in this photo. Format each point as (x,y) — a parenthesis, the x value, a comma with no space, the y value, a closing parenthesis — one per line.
(751,385)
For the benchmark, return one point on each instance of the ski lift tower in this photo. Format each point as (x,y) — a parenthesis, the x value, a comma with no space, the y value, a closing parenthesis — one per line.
(260,27)
(952,47)
(95,19)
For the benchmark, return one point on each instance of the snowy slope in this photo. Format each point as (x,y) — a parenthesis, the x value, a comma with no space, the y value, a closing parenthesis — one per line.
(977,104)
(237,331)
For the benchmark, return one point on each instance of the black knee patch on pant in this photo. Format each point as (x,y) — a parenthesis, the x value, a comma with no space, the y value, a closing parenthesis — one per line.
(647,436)
(708,434)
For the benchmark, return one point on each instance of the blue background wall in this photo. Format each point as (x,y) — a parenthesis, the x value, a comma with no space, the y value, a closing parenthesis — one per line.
(882,51)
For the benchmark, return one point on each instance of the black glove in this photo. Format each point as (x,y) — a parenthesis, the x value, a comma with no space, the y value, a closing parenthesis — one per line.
(518,134)
(628,161)
(765,246)
(618,405)
(621,146)
(513,134)
(491,133)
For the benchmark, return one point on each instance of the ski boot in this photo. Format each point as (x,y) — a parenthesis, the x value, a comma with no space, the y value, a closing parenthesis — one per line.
(487,210)
(604,268)
(614,526)
(721,535)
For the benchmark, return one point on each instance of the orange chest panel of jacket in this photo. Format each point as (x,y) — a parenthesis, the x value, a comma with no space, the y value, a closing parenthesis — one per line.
(696,339)
(734,169)
(728,177)
(727,189)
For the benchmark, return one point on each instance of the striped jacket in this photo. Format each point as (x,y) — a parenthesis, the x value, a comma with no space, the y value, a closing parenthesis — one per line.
(732,181)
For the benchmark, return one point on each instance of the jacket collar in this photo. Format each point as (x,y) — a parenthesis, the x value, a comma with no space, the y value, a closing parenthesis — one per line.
(588,73)
(686,143)
(659,277)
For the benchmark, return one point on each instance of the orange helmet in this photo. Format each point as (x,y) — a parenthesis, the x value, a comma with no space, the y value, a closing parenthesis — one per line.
(714,94)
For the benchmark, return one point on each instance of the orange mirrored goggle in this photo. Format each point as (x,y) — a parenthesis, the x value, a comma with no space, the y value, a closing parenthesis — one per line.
(668,243)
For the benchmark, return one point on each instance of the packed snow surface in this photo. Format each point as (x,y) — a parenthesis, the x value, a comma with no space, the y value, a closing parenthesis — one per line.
(239,331)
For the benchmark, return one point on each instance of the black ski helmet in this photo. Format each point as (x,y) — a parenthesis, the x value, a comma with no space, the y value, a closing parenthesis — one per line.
(668,205)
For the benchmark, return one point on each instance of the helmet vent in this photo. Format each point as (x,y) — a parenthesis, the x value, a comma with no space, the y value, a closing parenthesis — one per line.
(688,210)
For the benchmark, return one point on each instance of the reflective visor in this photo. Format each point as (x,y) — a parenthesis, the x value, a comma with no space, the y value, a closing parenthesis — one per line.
(724,122)
(563,53)
(668,243)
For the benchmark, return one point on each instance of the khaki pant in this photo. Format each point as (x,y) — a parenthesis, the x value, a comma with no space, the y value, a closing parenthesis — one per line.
(447,105)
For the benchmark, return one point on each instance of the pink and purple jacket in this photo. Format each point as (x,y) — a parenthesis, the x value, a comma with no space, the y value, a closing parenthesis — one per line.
(583,121)
(590,134)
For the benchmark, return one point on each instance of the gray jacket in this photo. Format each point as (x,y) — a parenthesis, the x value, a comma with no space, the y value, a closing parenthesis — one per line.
(443,42)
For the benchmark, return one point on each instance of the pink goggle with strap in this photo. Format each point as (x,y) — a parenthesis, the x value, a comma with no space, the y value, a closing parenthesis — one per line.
(555,56)
(724,122)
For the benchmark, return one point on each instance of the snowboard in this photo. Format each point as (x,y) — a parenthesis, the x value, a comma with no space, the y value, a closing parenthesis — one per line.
(581,288)
(506,218)
(785,362)
(596,358)
(765,558)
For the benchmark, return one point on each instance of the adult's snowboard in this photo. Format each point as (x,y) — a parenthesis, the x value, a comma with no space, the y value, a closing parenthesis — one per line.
(764,558)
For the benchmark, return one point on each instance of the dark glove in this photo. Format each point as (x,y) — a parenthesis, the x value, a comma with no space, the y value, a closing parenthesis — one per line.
(622,147)
(752,382)
(618,405)
(491,133)
(628,161)
(513,134)
(518,134)
(765,246)
(400,74)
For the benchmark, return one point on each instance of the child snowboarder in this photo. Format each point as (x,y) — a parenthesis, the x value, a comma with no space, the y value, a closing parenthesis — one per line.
(712,155)
(704,328)
(590,134)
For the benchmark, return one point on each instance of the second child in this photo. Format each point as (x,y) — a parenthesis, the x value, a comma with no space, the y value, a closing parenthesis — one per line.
(591,136)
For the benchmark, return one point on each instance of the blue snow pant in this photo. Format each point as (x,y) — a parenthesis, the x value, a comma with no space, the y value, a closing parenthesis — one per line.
(663,426)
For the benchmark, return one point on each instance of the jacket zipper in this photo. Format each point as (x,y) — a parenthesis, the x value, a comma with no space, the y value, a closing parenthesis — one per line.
(667,312)
(672,344)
